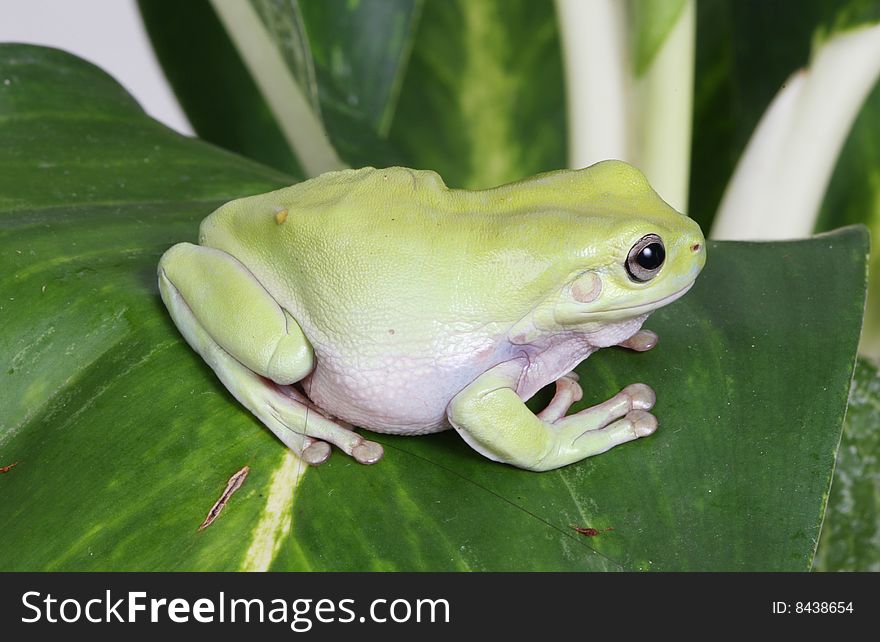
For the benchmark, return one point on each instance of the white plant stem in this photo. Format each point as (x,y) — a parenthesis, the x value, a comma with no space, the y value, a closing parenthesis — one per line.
(611,113)
(301,126)
(593,34)
(778,186)
(664,95)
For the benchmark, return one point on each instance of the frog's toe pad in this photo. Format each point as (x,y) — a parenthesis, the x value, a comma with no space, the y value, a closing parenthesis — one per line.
(316,453)
(641,397)
(368,452)
(570,382)
(641,341)
(643,423)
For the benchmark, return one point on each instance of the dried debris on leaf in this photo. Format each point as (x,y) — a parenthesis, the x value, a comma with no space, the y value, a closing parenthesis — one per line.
(590,532)
(232,485)
(6,469)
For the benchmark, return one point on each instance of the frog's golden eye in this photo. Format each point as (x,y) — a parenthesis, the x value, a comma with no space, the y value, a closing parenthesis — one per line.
(645,258)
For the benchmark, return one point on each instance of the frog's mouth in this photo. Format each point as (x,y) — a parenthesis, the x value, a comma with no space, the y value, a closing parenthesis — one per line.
(642,308)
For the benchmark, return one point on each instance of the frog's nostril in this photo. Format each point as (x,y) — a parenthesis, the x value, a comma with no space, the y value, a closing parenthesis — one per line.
(696,247)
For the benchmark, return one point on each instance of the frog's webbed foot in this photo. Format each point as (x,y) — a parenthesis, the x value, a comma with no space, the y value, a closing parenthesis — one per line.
(493,420)
(254,347)
(641,341)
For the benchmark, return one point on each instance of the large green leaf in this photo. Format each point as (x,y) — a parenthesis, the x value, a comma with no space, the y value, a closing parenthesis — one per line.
(124,439)
(213,86)
(360,50)
(348,57)
(483,102)
(486,76)
(851,534)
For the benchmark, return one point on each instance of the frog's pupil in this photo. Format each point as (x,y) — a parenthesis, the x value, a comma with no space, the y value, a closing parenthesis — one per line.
(651,256)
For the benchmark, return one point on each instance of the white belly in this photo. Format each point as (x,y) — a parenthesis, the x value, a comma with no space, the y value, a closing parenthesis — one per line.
(408,395)
(397,394)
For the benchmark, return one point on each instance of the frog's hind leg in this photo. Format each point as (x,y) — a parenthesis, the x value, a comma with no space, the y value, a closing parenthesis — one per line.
(318,425)
(254,347)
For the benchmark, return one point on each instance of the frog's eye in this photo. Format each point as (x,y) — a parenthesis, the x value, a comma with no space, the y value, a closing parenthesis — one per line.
(645,258)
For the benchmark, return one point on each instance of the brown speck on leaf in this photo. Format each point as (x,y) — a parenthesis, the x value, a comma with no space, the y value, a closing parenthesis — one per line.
(589,532)
(391,332)
(281,216)
(232,485)
(6,469)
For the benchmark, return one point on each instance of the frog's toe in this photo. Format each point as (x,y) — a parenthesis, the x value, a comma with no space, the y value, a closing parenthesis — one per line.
(316,453)
(368,452)
(635,424)
(641,341)
(643,423)
(641,396)
(341,435)
(316,431)
(635,398)
(568,391)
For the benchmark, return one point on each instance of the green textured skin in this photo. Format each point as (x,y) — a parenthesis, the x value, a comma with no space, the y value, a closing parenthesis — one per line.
(483,257)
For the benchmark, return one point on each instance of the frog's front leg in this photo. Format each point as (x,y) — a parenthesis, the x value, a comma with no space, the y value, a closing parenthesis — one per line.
(254,346)
(493,420)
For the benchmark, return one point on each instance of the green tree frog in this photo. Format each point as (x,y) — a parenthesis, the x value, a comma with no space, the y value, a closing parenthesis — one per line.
(380,298)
